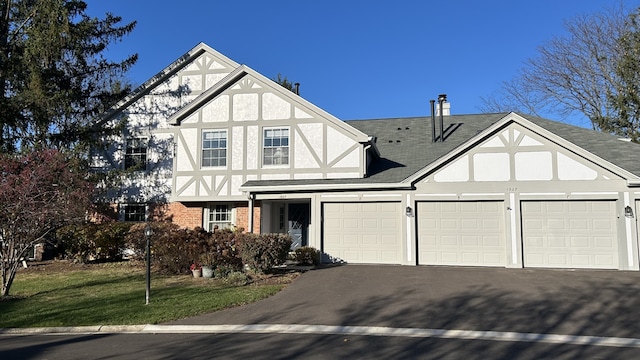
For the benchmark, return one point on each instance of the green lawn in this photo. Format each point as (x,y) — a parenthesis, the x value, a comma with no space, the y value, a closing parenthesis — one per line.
(114,294)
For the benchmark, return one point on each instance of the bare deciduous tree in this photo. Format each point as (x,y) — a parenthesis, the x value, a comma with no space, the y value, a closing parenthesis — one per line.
(572,74)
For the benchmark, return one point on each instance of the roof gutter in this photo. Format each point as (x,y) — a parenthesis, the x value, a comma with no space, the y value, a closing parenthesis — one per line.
(326,187)
(633,183)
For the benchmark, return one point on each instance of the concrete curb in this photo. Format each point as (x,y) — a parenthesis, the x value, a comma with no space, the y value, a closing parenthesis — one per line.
(97,329)
(330,330)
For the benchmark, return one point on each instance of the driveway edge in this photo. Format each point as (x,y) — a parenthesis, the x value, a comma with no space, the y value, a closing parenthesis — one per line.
(331,330)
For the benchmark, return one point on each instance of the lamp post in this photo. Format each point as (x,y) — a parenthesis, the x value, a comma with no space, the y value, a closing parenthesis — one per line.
(147,234)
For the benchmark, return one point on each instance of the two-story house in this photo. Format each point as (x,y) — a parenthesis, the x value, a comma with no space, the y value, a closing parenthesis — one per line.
(219,144)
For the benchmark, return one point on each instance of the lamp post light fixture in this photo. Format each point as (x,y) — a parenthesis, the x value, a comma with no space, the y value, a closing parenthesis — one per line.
(147,234)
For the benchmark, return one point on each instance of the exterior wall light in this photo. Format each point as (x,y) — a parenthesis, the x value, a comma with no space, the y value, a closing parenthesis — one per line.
(628,211)
(409,211)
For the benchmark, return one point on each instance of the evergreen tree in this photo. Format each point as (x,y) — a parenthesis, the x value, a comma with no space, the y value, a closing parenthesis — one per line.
(627,99)
(54,78)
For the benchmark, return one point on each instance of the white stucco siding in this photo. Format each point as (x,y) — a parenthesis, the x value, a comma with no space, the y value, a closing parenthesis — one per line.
(514,155)
(303,157)
(186,150)
(274,107)
(301,114)
(216,110)
(245,107)
(458,171)
(253,147)
(569,169)
(236,182)
(307,176)
(237,148)
(314,134)
(192,82)
(343,175)
(491,167)
(160,151)
(352,159)
(275,177)
(533,166)
(337,144)
(212,79)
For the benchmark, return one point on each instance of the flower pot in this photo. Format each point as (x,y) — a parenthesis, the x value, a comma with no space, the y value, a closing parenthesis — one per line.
(197,273)
(207,271)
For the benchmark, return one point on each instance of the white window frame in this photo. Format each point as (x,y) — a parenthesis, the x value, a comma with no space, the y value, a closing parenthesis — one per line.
(135,154)
(212,211)
(219,148)
(268,146)
(126,215)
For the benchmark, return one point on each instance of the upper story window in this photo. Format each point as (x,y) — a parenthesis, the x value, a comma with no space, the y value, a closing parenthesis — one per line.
(135,155)
(275,147)
(135,212)
(214,148)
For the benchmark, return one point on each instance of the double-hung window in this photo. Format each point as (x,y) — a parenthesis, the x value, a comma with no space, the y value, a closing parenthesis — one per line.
(275,147)
(219,216)
(135,155)
(214,148)
(135,212)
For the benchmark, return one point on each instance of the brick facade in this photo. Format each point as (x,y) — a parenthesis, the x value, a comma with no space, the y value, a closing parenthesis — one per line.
(190,215)
(242,216)
(184,215)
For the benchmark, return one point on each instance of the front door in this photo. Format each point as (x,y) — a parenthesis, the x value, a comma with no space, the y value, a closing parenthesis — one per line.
(298,224)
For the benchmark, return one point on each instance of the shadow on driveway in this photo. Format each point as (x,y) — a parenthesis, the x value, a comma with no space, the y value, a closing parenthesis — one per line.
(594,303)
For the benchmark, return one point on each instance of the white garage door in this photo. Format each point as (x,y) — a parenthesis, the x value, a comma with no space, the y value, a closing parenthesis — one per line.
(363,232)
(569,234)
(461,233)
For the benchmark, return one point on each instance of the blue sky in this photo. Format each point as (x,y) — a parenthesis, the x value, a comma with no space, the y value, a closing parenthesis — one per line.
(356,59)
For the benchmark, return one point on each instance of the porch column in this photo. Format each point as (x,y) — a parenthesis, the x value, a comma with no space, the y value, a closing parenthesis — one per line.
(250,212)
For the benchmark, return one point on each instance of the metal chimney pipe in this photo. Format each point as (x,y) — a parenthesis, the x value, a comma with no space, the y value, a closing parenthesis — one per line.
(441,99)
(433,120)
(297,85)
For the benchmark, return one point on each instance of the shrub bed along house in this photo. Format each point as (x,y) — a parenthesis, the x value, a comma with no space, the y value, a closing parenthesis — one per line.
(262,252)
(175,249)
(93,242)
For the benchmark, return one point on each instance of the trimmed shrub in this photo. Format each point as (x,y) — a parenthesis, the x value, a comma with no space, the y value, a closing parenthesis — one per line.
(98,242)
(222,250)
(173,249)
(264,251)
(307,255)
(73,242)
(236,278)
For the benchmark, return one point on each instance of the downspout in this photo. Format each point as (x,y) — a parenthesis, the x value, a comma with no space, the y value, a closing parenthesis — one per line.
(364,160)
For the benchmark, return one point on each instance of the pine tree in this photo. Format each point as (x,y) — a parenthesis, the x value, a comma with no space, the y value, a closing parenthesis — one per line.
(627,99)
(54,77)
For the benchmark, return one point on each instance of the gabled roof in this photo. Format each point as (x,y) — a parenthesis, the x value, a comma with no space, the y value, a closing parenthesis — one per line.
(243,71)
(164,74)
(407,152)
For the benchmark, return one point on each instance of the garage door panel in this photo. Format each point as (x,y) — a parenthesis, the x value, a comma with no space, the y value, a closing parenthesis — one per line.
(369,233)
(470,241)
(461,233)
(569,234)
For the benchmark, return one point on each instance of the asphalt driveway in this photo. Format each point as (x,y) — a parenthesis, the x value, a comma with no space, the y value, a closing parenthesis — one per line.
(572,302)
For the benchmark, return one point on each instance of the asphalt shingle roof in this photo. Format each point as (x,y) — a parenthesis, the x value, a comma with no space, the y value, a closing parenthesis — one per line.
(406,147)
